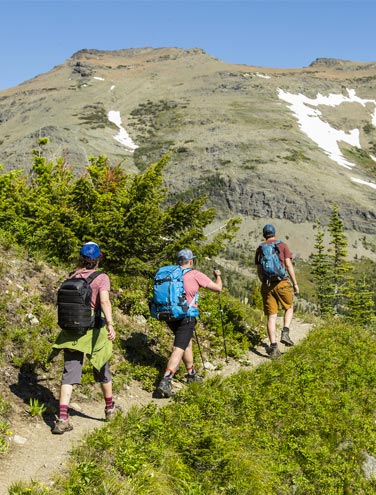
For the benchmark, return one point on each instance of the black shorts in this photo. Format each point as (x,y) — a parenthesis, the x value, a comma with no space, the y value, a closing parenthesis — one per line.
(183,331)
(73,361)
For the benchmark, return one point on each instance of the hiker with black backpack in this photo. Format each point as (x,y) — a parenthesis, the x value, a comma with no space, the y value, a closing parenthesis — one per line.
(273,260)
(180,316)
(85,316)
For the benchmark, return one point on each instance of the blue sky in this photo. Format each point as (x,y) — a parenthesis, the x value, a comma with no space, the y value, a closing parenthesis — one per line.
(35,36)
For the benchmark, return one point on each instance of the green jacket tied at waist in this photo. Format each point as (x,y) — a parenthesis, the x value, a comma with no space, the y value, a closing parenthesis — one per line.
(94,343)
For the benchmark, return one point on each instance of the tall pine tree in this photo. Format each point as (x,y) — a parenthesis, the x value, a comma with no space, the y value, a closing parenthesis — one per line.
(341,268)
(337,293)
(322,274)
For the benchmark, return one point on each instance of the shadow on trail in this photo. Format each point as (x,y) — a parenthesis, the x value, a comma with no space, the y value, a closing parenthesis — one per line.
(138,350)
(261,354)
(30,387)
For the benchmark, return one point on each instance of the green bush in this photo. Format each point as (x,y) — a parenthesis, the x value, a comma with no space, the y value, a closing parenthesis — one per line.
(54,212)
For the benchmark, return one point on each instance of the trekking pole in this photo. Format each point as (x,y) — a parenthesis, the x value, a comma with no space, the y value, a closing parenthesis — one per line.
(199,348)
(223,327)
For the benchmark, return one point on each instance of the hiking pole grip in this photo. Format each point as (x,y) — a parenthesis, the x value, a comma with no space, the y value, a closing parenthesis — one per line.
(216,271)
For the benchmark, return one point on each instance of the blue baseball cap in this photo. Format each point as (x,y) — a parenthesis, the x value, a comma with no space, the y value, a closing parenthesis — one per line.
(185,255)
(90,250)
(268,230)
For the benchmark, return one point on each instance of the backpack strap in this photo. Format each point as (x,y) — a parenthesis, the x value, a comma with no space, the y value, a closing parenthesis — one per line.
(97,311)
(195,298)
(91,277)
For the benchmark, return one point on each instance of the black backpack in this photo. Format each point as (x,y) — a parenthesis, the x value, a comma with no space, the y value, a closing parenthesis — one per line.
(74,312)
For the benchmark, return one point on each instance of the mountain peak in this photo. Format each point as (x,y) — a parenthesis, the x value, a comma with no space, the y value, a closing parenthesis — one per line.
(89,53)
(336,63)
(331,62)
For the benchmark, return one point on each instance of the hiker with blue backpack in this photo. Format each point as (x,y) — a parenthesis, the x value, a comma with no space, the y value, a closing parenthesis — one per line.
(175,301)
(85,319)
(274,267)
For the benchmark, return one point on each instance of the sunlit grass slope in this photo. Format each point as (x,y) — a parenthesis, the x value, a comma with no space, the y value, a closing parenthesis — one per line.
(300,425)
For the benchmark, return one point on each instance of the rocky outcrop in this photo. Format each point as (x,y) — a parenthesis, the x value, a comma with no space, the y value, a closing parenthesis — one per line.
(241,199)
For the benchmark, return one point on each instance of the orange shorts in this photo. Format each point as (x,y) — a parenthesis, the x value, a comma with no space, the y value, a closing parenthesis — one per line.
(275,295)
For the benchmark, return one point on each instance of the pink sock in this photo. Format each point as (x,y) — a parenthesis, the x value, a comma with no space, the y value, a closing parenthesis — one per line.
(63,411)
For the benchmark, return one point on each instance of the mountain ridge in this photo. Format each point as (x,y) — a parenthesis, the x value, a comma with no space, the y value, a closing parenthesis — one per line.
(231,135)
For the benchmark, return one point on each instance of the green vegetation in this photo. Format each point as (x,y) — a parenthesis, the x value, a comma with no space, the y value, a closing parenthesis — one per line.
(52,211)
(337,291)
(297,156)
(36,408)
(368,128)
(95,116)
(362,158)
(153,120)
(4,425)
(301,425)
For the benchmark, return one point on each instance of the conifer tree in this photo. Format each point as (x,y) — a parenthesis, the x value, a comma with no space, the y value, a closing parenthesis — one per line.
(256,297)
(341,268)
(52,210)
(336,291)
(361,304)
(322,274)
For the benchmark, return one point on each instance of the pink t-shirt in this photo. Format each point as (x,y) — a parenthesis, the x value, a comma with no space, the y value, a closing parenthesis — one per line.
(102,282)
(193,280)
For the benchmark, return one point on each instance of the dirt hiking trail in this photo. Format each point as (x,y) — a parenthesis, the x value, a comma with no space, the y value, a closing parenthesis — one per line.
(36,455)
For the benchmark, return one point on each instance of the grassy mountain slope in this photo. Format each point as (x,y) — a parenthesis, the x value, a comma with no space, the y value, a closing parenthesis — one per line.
(304,425)
(232,135)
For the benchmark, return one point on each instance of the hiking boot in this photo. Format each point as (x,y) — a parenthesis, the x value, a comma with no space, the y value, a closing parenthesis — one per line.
(194,378)
(274,352)
(285,338)
(61,426)
(111,413)
(164,387)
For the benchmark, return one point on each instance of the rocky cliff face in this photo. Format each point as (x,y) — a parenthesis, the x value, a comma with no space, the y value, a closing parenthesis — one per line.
(231,133)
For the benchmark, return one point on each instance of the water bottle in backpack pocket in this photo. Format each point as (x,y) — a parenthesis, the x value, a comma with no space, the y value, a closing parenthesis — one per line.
(169,300)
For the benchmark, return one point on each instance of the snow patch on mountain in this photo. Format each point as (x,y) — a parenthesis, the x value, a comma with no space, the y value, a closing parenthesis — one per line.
(365,183)
(325,136)
(122,137)
(264,76)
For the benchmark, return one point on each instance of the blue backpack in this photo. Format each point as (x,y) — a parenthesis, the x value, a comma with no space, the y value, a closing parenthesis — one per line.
(271,265)
(169,302)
